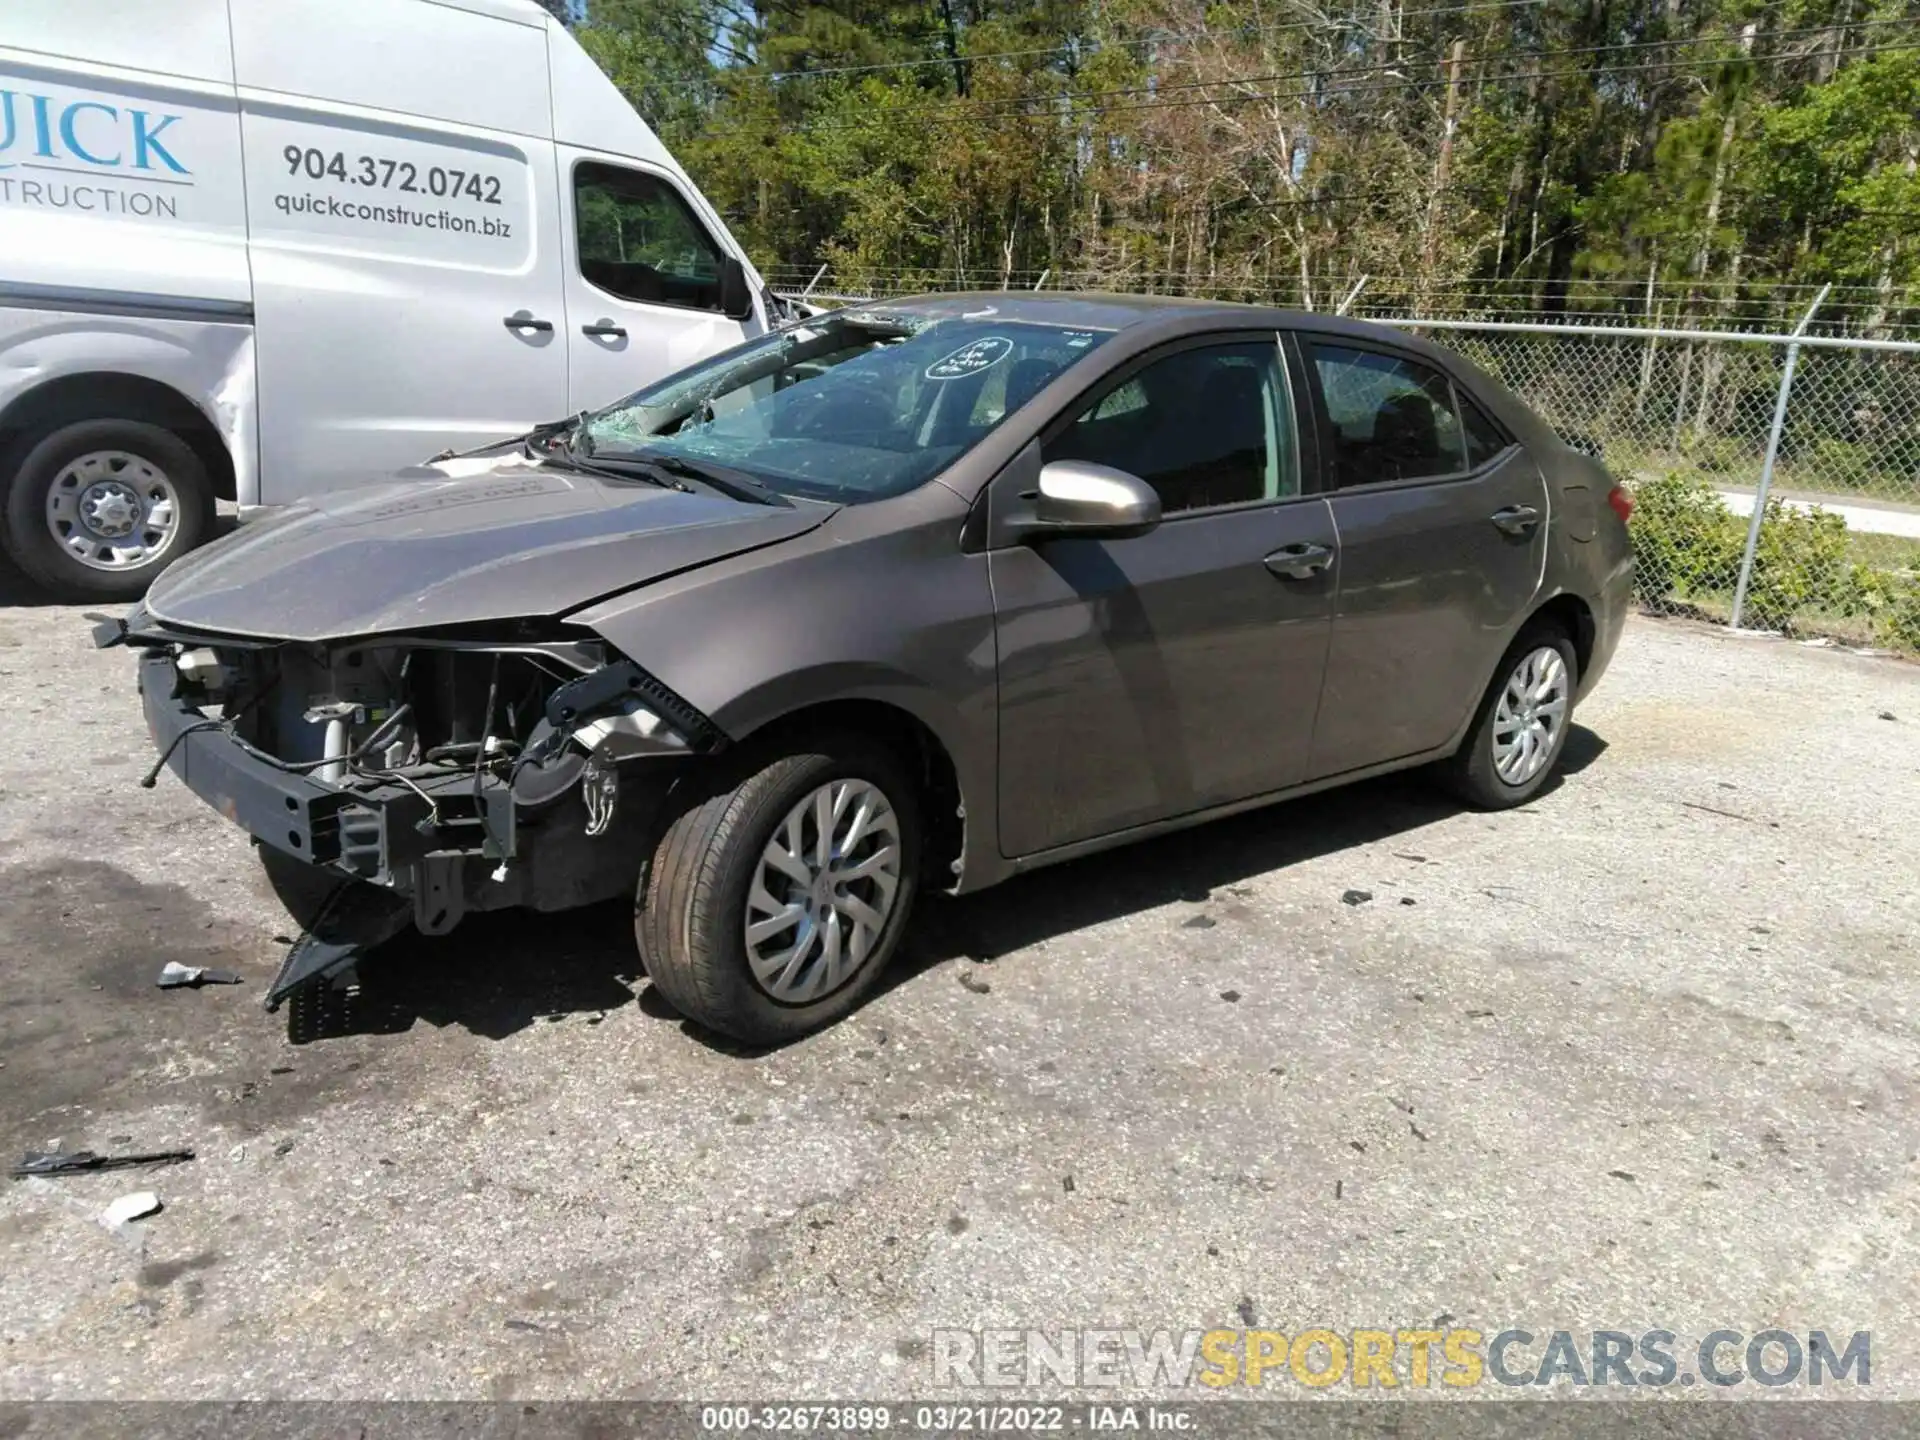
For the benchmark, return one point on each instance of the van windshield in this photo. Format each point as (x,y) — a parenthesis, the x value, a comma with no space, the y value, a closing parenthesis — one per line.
(849,407)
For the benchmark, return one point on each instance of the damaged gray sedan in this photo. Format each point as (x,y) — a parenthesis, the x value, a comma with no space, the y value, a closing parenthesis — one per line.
(923,593)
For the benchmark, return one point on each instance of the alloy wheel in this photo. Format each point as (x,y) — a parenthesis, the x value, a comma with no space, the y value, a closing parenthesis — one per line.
(1529,716)
(822,892)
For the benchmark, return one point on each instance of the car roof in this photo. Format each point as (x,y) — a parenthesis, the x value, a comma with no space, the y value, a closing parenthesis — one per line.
(1149,319)
(1108,311)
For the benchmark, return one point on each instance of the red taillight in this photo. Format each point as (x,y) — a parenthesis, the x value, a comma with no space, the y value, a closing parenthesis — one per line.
(1621,502)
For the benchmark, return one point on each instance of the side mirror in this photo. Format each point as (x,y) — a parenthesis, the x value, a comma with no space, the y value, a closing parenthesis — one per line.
(1076,497)
(736,292)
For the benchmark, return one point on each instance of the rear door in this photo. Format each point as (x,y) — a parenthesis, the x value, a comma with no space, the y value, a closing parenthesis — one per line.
(405,234)
(642,278)
(1146,678)
(1442,526)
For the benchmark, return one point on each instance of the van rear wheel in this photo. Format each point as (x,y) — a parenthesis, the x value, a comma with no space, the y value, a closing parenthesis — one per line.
(97,508)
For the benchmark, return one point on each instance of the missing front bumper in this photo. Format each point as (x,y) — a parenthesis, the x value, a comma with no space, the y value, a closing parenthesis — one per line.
(370,833)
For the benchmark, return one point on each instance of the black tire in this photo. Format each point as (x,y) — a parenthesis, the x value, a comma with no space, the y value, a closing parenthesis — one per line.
(41,458)
(1470,772)
(690,916)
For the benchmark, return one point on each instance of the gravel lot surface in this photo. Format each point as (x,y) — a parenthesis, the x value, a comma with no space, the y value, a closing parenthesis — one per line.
(1642,1053)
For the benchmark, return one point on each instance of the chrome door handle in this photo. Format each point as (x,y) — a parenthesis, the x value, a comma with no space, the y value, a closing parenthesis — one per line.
(525,321)
(1516,519)
(605,330)
(1299,562)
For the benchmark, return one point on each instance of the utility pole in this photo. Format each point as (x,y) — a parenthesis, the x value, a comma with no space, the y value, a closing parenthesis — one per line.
(1442,164)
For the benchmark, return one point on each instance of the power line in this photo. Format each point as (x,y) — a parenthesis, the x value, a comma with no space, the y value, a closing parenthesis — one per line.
(1554,52)
(1444,284)
(1161,37)
(1330,83)
(1330,87)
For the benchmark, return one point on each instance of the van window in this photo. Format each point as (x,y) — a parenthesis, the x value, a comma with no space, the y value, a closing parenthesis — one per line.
(639,241)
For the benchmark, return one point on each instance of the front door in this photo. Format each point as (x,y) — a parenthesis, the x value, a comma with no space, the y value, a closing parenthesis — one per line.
(642,280)
(1443,525)
(1148,678)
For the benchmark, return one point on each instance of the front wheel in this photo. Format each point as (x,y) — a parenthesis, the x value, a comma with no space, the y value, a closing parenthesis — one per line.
(1520,729)
(770,908)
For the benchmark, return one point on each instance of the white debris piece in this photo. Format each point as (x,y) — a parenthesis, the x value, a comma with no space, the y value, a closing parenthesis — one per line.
(136,1206)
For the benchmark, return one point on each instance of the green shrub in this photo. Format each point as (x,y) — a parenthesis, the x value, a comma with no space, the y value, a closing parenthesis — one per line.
(1687,543)
(1684,537)
(1891,600)
(1898,626)
(1801,561)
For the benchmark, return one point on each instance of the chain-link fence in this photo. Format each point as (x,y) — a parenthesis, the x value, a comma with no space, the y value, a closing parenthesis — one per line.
(1707,428)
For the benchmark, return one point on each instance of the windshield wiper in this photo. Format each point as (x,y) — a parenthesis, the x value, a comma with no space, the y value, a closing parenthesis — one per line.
(562,453)
(676,470)
(735,484)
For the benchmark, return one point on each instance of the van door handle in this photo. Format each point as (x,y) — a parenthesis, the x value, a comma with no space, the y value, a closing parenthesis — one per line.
(1516,519)
(525,321)
(1299,562)
(605,330)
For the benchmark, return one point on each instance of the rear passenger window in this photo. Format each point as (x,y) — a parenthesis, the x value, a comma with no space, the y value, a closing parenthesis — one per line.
(1393,418)
(1484,440)
(639,241)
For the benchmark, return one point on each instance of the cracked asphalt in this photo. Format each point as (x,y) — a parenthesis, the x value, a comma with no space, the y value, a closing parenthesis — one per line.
(1641,1053)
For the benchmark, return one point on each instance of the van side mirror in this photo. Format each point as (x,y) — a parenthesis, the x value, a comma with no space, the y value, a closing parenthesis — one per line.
(736,291)
(1078,498)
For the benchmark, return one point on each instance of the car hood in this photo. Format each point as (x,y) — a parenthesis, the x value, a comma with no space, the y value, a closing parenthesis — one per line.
(513,541)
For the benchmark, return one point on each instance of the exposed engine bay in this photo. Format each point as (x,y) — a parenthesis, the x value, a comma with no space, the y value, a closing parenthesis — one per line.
(445,773)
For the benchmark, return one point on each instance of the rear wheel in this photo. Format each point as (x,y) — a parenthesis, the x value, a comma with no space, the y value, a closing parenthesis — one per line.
(1520,729)
(98,508)
(770,908)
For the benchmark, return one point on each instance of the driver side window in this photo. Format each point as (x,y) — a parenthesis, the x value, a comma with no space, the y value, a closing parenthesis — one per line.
(1205,427)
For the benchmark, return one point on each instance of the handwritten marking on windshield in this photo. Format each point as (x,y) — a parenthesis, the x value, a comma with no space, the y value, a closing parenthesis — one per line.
(971,359)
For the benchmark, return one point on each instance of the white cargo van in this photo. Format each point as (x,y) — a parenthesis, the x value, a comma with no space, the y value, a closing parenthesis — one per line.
(255,249)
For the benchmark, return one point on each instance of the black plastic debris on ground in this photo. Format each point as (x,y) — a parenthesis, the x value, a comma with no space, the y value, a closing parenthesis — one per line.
(84,1162)
(1356,897)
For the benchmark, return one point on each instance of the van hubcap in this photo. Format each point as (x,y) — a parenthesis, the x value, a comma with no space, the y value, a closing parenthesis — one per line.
(823,890)
(113,511)
(1530,715)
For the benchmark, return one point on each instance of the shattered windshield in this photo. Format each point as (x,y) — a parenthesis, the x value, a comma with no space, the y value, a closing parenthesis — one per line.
(852,406)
